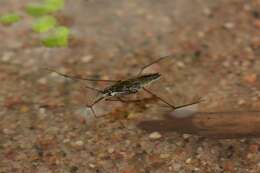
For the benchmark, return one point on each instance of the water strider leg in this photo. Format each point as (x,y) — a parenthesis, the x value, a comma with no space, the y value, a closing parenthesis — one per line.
(151,63)
(124,101)
(91,106)
(192,103)
(96,101)
(174,107)
(148,91)
(117,99)
(75,77)
(92,88)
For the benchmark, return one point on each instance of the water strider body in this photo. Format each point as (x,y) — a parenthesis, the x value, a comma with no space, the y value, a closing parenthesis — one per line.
(130,86)
(125,87)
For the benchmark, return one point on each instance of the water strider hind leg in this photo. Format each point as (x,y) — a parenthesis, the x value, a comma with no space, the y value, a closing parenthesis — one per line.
(164,101)
(174,107)
(189,104)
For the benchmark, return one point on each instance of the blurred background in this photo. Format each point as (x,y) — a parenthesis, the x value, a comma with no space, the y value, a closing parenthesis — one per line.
(44,126)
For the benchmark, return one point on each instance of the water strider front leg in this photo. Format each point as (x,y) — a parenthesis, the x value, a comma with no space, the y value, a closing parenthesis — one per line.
(94,89)
(91,106)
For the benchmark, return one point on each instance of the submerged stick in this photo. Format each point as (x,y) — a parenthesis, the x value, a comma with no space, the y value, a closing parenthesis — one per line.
(225,125)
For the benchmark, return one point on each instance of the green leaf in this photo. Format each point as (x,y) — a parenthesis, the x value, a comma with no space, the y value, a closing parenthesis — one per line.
(9,19)
(44,24)
(54,5)
(46,7)
(58,37)
(37,9)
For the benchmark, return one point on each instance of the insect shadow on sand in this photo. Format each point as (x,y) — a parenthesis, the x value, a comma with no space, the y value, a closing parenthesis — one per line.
(120,88)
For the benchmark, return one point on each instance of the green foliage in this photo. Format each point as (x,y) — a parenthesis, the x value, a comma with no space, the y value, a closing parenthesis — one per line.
(44,23)
(37,9)
(9,19)
(46,7)
(54,5)
(58,37)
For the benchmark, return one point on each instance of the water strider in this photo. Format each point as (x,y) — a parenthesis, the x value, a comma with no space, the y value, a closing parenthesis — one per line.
(125,87)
